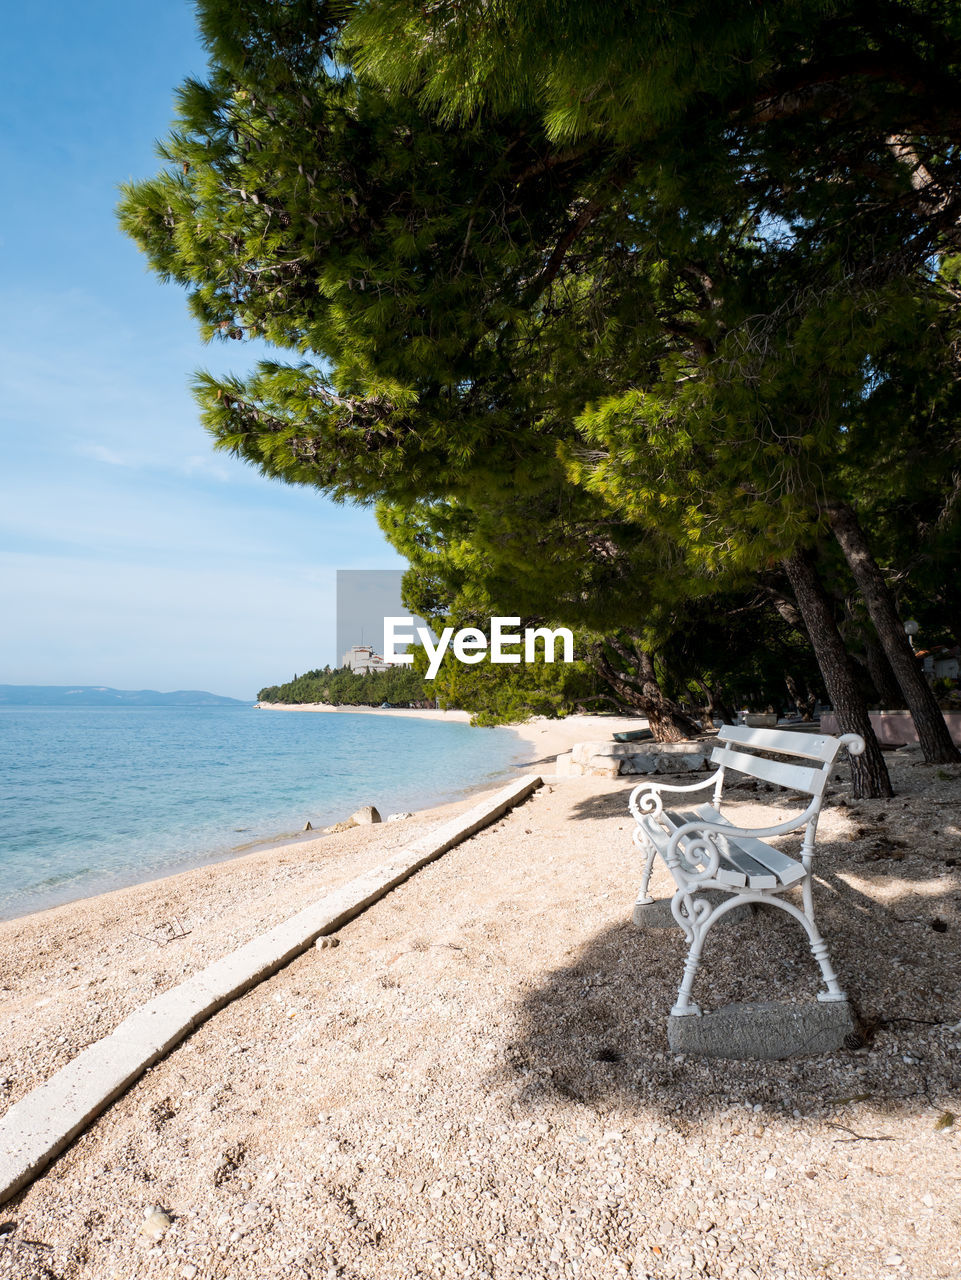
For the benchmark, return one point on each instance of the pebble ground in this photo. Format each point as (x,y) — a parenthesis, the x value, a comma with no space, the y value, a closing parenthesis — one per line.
(476,1082)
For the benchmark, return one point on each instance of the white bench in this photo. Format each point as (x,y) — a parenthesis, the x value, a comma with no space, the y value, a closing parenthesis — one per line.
(704,850)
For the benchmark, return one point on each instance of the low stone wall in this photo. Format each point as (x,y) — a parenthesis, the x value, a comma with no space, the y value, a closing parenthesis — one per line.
(611,759)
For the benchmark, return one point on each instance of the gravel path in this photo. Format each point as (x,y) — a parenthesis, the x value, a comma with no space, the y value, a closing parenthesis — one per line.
(476,1083)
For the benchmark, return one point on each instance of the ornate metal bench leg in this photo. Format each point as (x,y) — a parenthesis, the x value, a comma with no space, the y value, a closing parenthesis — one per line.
(650,853)
(684,1004)
(695,916)
(819,949)
(643,895)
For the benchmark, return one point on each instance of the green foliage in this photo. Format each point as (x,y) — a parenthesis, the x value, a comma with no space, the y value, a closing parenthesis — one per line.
(511,693)
(468,565)
(342,687)
(735,650)
(605,307)
(494,694)
(829,118)
(737,457)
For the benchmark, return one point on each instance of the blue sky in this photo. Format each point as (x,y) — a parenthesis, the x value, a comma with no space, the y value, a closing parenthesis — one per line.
(131,554)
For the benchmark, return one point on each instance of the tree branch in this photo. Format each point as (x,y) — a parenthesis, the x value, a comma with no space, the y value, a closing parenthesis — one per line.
(586,216)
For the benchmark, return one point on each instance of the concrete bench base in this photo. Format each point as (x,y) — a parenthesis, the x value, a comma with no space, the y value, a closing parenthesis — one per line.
(769,1030)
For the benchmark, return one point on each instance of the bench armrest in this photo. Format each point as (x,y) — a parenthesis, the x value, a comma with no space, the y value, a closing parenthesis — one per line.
(645,798)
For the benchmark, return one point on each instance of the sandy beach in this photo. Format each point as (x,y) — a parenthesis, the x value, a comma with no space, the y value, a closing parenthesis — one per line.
(476,1081)
(550,737)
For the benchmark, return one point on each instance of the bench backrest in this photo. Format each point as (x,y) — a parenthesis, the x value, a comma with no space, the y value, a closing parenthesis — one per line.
(817,750)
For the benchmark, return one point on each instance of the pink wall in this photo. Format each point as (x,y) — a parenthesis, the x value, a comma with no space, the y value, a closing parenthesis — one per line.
(896,726)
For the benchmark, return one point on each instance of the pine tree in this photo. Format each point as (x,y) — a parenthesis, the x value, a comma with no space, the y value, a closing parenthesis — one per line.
(646,275)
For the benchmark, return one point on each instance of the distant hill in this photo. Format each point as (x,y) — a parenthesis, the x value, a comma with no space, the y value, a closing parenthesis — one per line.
(90,695)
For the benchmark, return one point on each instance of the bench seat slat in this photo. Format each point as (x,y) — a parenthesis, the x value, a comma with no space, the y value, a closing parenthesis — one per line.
(728,872)
(737,867)
(788,870)
(758,876)
(795,777)
(745,861)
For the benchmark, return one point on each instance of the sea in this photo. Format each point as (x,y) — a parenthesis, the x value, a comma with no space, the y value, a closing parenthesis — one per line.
(93,799)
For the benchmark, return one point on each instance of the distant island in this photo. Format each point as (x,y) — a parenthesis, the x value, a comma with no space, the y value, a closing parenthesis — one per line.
(90,695)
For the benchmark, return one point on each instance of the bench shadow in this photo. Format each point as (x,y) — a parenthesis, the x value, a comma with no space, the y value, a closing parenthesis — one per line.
(594,1031)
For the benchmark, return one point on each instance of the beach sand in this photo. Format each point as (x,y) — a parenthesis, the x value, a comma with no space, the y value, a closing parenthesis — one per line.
(476,1081)
(83,966)
(550,736)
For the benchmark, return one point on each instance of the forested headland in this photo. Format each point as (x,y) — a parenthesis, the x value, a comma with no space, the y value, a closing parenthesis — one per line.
(343,687)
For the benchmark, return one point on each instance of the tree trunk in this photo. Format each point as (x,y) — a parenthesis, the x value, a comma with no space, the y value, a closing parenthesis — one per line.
(882,677)
(869,773)
(669,721)
(805,703)
(786,609)
(933,733)
(642,692)
(716,703)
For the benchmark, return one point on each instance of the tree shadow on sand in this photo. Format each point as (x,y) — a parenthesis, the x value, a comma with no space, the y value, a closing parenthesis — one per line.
(594,1031)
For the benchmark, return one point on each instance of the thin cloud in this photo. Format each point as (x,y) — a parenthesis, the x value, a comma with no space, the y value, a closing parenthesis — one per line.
(199,465)
(100,453)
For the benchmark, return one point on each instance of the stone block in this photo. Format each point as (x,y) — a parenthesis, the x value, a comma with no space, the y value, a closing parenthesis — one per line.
(53,1113)
(643,763)
(365,816)
(638,757)
(657,914)
(562,765)
(766,1030)
(604,766)
(680,762)
(584,750)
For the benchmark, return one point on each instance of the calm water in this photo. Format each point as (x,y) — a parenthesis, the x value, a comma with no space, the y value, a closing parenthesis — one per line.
(96,798)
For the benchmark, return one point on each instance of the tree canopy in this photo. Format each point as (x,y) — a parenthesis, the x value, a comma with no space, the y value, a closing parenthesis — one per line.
(665,286)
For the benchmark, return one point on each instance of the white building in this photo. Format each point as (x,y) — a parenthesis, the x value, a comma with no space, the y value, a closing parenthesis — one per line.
(361,658)
(941,663)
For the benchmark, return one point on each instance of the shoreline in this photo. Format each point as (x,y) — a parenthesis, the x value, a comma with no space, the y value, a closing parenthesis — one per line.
(407,713)
(81,966)
(275,842)
(559,736)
